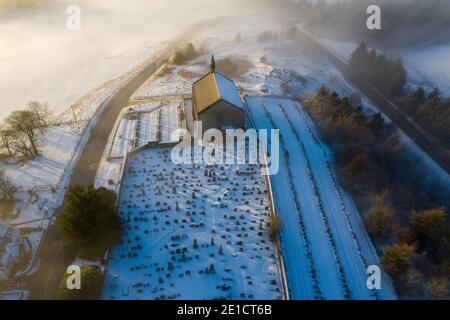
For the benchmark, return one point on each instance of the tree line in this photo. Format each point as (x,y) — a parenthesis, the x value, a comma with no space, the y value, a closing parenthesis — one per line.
(429,109)
(404,207)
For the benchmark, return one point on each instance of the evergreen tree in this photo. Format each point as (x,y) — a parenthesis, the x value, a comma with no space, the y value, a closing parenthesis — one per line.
(90,224)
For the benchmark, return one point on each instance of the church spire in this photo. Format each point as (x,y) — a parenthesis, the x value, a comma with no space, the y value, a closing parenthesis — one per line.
(213,64)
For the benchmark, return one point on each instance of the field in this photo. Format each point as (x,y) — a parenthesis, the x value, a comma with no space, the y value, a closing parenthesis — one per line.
(324,243)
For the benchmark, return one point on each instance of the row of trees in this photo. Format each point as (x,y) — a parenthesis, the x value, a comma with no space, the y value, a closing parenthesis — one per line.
(386,74)
(430,110)
(19,138)
(404,206)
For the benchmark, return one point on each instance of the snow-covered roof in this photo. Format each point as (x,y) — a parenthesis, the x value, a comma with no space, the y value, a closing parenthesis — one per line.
(214,87)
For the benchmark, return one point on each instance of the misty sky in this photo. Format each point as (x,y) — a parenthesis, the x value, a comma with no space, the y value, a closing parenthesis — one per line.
(42,60)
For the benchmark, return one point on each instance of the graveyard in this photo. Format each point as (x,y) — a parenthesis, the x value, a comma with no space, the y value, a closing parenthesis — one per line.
(192,232)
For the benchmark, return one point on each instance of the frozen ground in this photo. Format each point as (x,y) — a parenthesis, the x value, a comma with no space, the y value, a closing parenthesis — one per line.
(41,59)
(147,122)
(163,85)
(324,243)
(432,65)
(192,232)
(429,66)
(42,181)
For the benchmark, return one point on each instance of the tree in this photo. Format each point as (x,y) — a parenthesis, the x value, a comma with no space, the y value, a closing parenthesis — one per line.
(381,221)
(437,288)
(397,258)
(431,228)
(7,142)
(90,224)
(360,55)
(92,279)
(41,112)
(22,130)
(7,192)
(274,226)
(354,172)
(429,223)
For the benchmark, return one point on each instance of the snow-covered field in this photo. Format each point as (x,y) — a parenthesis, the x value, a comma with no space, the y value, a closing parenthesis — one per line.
(41,59)
(429,66)
(192,232)
(147,122)
(324,243)
(163,85)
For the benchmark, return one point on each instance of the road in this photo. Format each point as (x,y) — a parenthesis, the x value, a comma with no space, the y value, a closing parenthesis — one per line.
(52,260)
(425,140)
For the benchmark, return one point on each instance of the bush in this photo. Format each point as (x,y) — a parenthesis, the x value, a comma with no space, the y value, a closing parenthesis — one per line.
(437,288)
(274,226)
(182,56)
(397,258)
(381,221)
(92,280)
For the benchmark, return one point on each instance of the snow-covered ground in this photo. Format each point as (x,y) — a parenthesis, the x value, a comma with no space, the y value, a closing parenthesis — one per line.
(316,213)
(147,122)
(327,259)
(192,232)
(163,85)
(42,181)
(429,66)
(42,59)
(138,125)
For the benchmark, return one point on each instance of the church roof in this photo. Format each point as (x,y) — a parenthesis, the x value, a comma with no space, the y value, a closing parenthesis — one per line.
(212,88)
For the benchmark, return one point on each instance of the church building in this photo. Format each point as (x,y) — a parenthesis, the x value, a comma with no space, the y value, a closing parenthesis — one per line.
(216,101)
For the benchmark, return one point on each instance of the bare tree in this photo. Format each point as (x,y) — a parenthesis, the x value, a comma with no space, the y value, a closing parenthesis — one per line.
(22,130)
(7,142)
(41,112)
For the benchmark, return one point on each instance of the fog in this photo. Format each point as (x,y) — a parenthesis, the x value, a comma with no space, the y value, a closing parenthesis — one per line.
(41,59)
(404,23)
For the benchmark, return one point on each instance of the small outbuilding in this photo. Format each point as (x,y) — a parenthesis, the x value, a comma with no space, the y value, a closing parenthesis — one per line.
(216,101)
